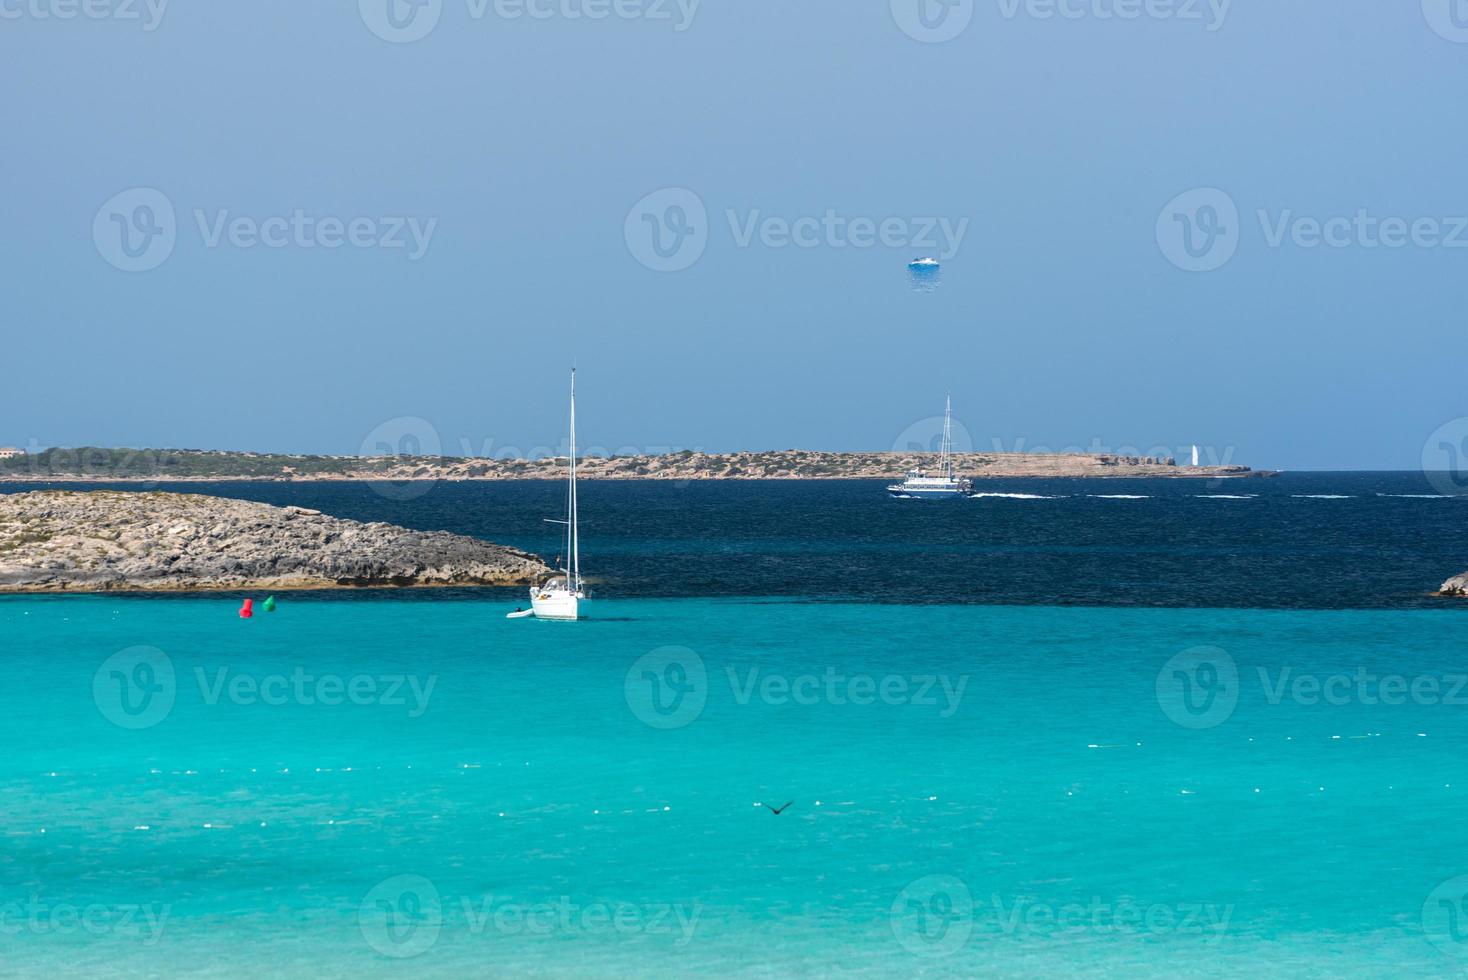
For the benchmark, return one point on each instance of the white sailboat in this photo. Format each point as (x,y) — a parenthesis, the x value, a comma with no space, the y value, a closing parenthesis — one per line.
(920,486)
(561,596)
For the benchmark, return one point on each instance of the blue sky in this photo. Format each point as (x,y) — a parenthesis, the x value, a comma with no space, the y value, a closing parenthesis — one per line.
(519,149)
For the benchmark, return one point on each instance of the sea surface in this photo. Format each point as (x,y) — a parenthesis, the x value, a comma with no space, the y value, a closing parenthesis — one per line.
(1164,728)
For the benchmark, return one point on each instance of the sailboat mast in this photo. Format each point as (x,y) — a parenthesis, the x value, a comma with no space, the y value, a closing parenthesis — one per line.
(572,532)
(948,437)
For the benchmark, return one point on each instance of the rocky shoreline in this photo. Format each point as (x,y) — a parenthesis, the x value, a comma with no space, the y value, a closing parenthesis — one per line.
(106,541)
(134,466)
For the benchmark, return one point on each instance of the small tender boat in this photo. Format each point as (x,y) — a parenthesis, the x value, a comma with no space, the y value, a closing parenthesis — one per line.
(520,614)
(560,597)
(923,263)
(920,486)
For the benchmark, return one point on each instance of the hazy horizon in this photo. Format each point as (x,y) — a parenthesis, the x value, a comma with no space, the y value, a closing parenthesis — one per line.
(284,227)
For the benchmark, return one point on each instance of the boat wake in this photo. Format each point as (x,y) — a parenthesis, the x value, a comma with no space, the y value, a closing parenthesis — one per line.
(1119,496)
(1418,496)
(1018,496)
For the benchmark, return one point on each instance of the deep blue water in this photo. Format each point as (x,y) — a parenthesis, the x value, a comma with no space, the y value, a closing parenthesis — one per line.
(1387,542)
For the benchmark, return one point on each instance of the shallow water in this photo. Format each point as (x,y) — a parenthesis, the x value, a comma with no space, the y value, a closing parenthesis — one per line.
(357,788)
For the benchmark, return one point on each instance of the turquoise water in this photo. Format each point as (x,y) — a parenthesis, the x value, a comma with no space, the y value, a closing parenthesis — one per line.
(994,790)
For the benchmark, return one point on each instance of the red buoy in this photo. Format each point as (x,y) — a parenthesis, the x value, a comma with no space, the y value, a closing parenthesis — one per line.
(248,609)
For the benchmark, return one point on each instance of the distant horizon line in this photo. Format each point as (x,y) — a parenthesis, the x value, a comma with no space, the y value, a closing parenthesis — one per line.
(596,451)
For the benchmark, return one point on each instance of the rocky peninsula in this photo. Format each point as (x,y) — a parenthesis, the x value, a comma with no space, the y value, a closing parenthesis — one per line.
(107,540)
(158,465)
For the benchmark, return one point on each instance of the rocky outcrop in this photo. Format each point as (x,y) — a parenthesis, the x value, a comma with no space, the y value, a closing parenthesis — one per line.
(107,540)
(1455,587)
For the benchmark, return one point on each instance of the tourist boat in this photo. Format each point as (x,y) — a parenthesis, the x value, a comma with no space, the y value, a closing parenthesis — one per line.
(920,486)
(923,263)
(561,596)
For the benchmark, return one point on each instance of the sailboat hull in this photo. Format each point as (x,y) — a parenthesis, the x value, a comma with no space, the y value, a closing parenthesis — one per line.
(557,604)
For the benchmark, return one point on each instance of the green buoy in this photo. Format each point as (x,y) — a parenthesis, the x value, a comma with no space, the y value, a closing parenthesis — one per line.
(270,604)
